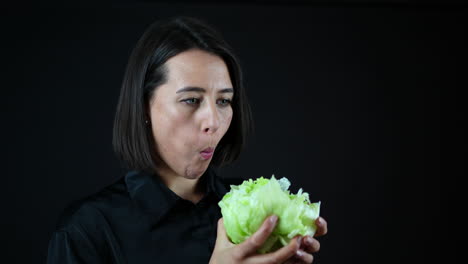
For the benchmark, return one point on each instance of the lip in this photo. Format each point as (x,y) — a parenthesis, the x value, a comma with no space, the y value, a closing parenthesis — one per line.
(209,149)
(207,153)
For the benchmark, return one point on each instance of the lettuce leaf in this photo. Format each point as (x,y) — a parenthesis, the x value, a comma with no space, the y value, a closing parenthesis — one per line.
(245,207)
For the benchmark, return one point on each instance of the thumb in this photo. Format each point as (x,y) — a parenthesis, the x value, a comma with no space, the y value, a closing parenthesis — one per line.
(222,239)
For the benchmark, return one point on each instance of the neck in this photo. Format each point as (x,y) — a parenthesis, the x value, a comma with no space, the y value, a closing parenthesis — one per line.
(188,189)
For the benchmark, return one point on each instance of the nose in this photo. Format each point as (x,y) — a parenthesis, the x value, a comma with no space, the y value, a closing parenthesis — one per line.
(211,122)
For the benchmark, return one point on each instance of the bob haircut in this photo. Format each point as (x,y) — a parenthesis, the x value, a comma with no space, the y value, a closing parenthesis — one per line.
(133,140)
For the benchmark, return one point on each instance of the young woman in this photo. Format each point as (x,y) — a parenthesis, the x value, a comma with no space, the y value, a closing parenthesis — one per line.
(182,111)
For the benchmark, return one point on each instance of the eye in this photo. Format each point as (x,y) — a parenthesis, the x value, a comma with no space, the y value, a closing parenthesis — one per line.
(225,102)
(191,101)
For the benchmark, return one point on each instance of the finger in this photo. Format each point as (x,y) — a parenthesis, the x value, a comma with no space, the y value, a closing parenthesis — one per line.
(281,255)
(254,242)
(322,226)
(293,260)
(304,257)
(310,244)
(222,239)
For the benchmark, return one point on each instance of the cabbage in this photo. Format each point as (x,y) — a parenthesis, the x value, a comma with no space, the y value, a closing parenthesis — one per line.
(245,207)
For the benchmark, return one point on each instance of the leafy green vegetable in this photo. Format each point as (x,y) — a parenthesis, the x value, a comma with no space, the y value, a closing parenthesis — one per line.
(245,207)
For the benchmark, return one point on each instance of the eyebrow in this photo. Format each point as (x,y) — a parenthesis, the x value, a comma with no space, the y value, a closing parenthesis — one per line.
(202,90)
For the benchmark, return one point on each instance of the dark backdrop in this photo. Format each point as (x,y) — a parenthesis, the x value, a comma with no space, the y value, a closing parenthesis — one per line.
(350,103)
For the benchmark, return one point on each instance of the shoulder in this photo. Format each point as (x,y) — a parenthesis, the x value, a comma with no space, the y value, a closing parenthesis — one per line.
(88,212)
(82,231)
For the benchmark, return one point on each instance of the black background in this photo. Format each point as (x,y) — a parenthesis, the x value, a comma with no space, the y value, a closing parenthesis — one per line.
(357,104)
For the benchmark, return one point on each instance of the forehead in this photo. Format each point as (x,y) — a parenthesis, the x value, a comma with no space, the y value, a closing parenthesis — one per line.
(198,67)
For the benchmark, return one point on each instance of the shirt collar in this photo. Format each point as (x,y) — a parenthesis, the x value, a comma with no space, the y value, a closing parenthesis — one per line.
(153,196)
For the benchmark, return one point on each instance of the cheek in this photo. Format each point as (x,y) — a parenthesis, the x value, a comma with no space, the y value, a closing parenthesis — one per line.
(170,129)
(226,122)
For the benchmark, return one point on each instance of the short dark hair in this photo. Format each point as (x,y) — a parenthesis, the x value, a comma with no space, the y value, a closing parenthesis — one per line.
(133,141)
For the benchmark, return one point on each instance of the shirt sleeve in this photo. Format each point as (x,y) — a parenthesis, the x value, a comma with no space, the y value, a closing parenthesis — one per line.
(71,245)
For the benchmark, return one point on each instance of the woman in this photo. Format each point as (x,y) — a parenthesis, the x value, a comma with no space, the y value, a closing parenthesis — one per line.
(182,111)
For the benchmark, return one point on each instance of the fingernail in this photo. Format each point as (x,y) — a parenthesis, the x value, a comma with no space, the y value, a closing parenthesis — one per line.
(299,241)
(309,240)
(320,221)
(273,219)
(300,253)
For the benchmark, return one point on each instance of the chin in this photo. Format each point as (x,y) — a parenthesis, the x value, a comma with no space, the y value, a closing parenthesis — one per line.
(193,174)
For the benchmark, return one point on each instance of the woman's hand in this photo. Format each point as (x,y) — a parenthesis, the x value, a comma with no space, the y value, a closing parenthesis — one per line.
(246,252)
(309,244)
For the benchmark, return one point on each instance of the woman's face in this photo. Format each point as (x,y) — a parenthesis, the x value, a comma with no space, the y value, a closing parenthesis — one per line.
(191,111)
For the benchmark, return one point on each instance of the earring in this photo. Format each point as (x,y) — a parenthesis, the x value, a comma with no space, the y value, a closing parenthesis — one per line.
(146,121)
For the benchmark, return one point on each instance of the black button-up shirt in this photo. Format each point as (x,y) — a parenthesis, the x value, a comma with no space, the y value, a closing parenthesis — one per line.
(139,220)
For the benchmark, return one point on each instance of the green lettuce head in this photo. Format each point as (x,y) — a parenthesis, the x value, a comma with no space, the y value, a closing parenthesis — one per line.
(245,207)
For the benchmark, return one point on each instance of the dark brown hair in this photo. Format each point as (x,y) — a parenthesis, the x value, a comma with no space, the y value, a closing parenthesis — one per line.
(133,141)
